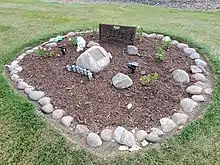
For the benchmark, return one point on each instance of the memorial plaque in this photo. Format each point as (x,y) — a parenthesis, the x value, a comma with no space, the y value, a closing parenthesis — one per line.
(117,33)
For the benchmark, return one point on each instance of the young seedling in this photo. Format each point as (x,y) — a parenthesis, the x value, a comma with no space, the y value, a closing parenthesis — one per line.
(40,52)
(73,42)
(149,79)
(166,45)
(160,54)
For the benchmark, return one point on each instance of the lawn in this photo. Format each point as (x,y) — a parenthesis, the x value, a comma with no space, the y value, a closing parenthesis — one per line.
(26,138)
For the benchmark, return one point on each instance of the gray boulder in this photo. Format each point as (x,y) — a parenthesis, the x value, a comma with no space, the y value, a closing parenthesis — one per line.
(36,95)
(106,134)
(200,62)
(43,101)
(195,69)
(198,98)
(157,131)
(194,55)
(167,125)
(182,46)
(58,114)
(81,130)
(194,90)
(141,135)
(189,51)
(153,137)
(188,105)
(118,133)
(93,140)
(48,108)
(181,76)
(128,139)
(180,118)
(132,50)
(67,120)
(200,77)
(122,81)
(22,85)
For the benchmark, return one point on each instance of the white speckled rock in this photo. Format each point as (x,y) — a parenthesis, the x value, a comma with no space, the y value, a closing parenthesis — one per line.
(58,114)
(189,51)
(198,98)
(199,77)
(180,76)
(180,118)
(15,77)
(141,135)
(128,138)
(194,55)
(122,81)
(106,134)
(22,85)
(81,130)
(188,105)
(123,148)
(48,108)
(166,39)
(28,89)
(132,50)
(51,45)
(36,95)
(153,137)
(208,91)
(44,101)
(28,52)
(174,42)
(195,69)
(182,46)
(134,148)
(157,131)
(118,133)
(67,120)
(194,90)
(200,62)
(167,125)
(93,140)
(144,143)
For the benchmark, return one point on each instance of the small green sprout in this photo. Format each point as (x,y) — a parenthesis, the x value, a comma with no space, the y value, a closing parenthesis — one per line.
(166,45)
(148,79)
(40,52)
(160,54)
(73,42)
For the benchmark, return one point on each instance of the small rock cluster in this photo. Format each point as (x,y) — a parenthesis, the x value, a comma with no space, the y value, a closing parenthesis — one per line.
(129,140)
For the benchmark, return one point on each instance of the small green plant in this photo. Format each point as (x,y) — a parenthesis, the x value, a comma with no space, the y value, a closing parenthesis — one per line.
(45,53)
(160,54)
(148,79)
(40,52)
(73,42)
(166,45)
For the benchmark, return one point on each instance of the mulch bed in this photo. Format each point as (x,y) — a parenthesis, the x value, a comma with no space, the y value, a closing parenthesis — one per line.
(97,103)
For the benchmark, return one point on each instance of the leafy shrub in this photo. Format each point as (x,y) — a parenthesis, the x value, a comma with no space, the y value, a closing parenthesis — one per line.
(166,45)
(148,79)
(160,54)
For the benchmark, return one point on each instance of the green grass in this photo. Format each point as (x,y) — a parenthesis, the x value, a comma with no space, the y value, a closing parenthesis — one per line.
(26,138)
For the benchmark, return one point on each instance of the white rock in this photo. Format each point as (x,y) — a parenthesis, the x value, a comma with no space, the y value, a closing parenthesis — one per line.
(36,48)
(28,89)
(153,35)
(51,45)
(166,39)
(67,120)
(95,59)
(182,46)
(13,72)
(201,84)
(71,34)
(123,148)
(129,106)
(122,81)
(22,85)
(134,148)
(81,130)
(19,58)
(208,91)
(15,78)
(189,51)
(157,131)
(106,134)
(58,114)
(12,66)
(188,105)
(194,90)
(118,134)
(44,101)
(144,35)
(36,95)
(167,125)
(199,77)
(128,138)
(200,62)
(19,69)
(194,55)
(174,42)
(28,52)
(159,36)
(48,108)
(180,118)
(198,98)
(181,76)
(93,140)
(141,135)
(132,50)
(153,137)
(195,69)
(92,43)
(144,143)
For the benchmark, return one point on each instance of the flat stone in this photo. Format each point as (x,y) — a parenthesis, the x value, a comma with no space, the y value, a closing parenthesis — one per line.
(194,55)
(208,91)
(188,105)
(144,143)
(135,148)
(58,114)
(123,148)
(180,118)
(15,77)
(122,81)
(94,59)
(153,137)
(144,35)
(81,130)
(128,138)
(48,108)
(189,51)
(106,134)
(174,42)
(22,85)
(132,50)
(44,101)
(199,77)
(157,131)
(182,46)
(118,134)
(167,125)
(141,135)
(195,69)
(28,52)
(181,76)
(166,39)
(194,90)
(67,120)
(36,95)
(159,36)
(200,62)
(92,43)
(153,35)
(51,45)
(198,98)
(93,140)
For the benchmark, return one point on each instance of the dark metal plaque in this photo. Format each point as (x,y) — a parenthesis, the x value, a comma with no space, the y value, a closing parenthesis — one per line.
(117,33)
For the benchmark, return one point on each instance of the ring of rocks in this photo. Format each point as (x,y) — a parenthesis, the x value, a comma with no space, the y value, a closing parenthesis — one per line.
(134,139)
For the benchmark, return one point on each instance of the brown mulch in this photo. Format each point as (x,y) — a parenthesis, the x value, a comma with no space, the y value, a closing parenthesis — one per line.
(97,103)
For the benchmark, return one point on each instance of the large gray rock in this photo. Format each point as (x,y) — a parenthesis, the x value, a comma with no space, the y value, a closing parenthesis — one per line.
(174,42)
(15,77)
(194,90)
(67,120)
(188,105)
(71,34)
(194,55)
(106,134)
(28,89)
(208,91)
(166,39)
(141,135)
(157,131)
(152,35)
(94,59)
(92,43)
(199,77)
(128,139)
(48,108)
(182,46)
(93,140)
(36,95)
(167,125)
(118,133)
(81,130)
(22,85)
(180,118)
(153,137)
(58,114)
(122,81)
(51,45)
(189,51)
(200,62)
(198,98)
(195,69)
(132,50)
(181,76)
(43,101)
(13,65)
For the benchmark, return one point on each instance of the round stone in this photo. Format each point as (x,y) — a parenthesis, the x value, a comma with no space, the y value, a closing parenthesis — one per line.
(159,36)
(157,131)
(182,46)
(181,76)
(153,137)
(144,35)
(180,118)
(28,89)
(28,52)
(51,45)
(81,130)
(174,42)
(48,108)
(194,55)
(71,34)
(188,105)
(122,81)
(194,90)
(93,140)
(58,114)
(107,134)
(128,139)
(22,85)
(189,51)
(198,98)
(166,39)
(36,95)
(200,62)
(132,50)
(15,77)
(141,135)
(195,69)
(118,133)
(19,69)
(167,125)
(199,77)
(201,84)
(44,101)
(67,120)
